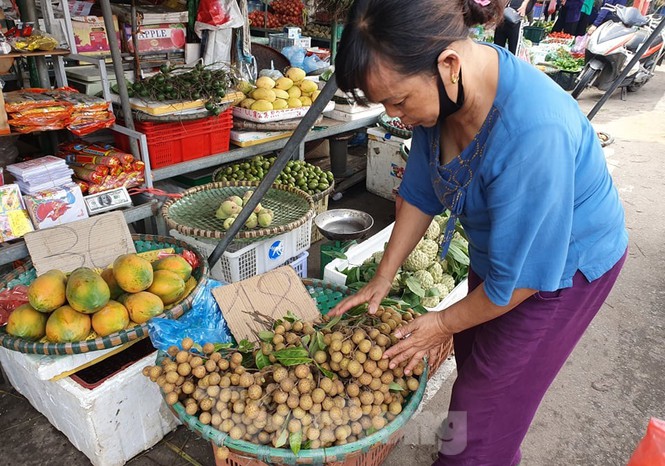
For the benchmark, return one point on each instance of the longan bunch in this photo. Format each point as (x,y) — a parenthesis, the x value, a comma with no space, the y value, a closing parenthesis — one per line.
(344,392)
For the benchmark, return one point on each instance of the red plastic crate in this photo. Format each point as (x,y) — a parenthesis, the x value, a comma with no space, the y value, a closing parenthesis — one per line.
(170,143)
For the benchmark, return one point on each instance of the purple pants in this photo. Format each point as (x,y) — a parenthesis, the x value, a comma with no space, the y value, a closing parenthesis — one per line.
(506,365)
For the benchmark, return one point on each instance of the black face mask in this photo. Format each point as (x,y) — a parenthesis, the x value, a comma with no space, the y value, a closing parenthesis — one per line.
(446,106)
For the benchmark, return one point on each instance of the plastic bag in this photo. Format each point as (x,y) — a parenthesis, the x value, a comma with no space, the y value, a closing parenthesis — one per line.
(213,14)
(651,449)
(203,323)
(580,44)
(296,55)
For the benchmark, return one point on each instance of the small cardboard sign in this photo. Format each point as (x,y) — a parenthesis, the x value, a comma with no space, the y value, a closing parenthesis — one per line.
(94,242)
(251,305)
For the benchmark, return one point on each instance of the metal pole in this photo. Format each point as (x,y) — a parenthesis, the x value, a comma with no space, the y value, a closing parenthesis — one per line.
(645,46)
(119,72)
(280,162)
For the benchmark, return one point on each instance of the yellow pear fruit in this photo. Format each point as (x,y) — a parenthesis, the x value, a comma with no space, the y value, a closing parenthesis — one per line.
(284,84)
(294,92)
(247,102)
(308,86)
(281,94)
(305,101)
(262,106)
(294,102)
(264,82)
(315,94)
(296,74)
(280,104)
(264,94)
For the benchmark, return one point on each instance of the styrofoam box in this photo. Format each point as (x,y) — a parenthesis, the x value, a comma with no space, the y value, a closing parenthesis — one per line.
(385,165)
(242,261)
(358,253)
(111,423)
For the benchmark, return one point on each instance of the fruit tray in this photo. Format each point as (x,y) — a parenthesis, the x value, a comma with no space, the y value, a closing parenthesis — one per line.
(194,213)
(388,123)
(25,275)
(275,115)
(370,450)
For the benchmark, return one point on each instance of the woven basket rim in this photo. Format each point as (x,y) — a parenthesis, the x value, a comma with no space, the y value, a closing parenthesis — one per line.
(251,234)
(399,132)
(315,197)
(282,455)
(121,337)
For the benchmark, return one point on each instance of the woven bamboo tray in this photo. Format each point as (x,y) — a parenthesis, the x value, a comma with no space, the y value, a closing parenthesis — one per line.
(25,275)
(369,451)
(194,213)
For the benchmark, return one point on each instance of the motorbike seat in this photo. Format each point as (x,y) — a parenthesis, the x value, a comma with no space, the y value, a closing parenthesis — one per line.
(637,40)
(631,16)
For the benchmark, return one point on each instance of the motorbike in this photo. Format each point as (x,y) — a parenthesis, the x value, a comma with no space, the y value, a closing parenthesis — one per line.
(612,46)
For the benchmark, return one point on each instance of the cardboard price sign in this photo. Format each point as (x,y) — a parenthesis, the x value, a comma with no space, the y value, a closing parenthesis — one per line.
(94,242)
(251,305)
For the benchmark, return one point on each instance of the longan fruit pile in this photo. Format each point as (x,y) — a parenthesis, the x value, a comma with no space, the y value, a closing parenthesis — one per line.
(343,391)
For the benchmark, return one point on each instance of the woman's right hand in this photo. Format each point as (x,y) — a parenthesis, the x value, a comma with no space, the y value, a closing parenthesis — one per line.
(372,294)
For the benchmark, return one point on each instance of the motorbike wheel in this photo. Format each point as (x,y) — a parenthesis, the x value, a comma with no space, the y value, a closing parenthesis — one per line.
(585,79)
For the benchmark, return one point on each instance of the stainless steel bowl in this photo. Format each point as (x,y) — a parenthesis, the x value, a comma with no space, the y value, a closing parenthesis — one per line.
(344,224)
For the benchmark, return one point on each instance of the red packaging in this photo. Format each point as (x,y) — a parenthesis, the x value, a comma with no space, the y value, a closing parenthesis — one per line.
(139,166)
(103,170)
(97,160)
(87,174)
(10,299)
(83,185)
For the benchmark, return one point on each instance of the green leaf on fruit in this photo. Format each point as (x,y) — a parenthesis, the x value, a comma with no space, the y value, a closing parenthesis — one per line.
(414,286)
(325,371)
(266,335)
(394,386)
(281,440)
(261,360)
(320,342)
(292,356)
(295,441)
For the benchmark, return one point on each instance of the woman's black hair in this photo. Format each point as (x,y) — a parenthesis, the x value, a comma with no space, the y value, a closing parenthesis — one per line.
(409,34)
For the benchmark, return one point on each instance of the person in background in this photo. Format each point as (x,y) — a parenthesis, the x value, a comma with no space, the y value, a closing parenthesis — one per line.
(585,17)
(604,15)
(546,228)
(508,32)
(569,16)
(549,14)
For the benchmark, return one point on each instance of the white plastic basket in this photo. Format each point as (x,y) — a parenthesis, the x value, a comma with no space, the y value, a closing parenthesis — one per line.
(243,260)
(358,253)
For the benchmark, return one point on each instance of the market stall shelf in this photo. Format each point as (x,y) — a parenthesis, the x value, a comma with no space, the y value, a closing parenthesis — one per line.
(26,274)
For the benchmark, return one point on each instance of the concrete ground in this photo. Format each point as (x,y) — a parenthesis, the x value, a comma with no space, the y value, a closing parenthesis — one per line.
(597,408)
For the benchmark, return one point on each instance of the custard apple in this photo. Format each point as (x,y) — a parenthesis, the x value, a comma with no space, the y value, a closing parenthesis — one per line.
(417,260)
(441,220)
(377,256)
(396,284)
(448,281)
(442,289)
(429,247)
(430,301)
(436,270)
(424,278)
(433,231)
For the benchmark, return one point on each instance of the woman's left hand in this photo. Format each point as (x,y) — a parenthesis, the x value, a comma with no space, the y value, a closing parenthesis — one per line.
(419,338)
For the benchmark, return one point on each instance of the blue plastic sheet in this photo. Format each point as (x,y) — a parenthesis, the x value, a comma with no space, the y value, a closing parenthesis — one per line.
(204,323)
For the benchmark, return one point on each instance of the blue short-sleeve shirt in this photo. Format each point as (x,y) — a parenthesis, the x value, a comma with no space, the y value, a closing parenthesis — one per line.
(541,204)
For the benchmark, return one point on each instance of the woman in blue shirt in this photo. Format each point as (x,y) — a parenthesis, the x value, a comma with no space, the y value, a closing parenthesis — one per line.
(527,178)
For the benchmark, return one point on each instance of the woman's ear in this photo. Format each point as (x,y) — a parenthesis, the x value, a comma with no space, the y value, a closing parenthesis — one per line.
(448,64)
